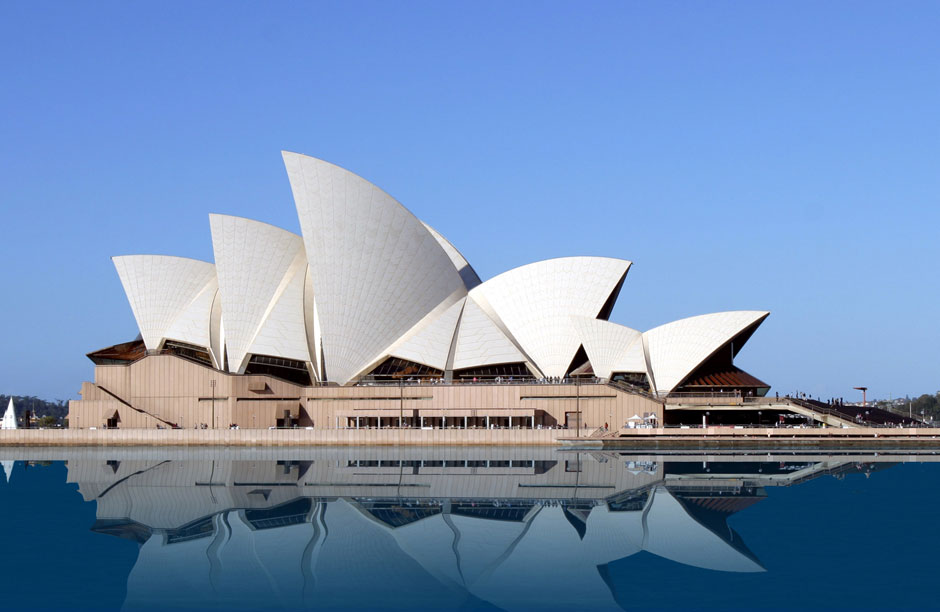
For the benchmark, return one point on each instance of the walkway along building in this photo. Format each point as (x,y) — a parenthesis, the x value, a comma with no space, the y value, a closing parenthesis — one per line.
(371,318)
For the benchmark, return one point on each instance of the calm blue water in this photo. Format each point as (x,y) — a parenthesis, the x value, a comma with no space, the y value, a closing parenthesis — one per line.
(465,529)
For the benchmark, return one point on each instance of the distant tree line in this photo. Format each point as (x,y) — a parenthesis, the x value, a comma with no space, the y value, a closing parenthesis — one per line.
(37,407)
(927,404)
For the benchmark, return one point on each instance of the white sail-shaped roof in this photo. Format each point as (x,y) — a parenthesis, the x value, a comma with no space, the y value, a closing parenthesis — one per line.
(9,417)
(676,349)
(430,344)
(480,341)
(256,264)
(466,271)
(376,269)
(610,347)
(536,302)
(165,292)
(193,324)
(283,332)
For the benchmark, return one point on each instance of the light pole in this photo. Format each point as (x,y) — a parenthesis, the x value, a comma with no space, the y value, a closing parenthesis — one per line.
(864,391)
(577,386)
(212,384)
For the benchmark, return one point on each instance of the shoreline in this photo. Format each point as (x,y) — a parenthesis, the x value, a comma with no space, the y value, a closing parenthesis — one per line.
(639,439)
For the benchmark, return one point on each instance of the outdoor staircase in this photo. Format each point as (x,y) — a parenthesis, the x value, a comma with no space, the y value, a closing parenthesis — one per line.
(136,409)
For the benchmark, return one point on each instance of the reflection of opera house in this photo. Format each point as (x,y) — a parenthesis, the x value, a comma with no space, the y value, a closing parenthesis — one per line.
(288,330)
(433,528)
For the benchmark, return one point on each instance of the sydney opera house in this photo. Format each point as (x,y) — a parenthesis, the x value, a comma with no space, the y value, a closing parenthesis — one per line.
(371,318)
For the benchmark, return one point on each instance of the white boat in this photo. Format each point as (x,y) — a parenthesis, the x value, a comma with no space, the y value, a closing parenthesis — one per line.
(9,417)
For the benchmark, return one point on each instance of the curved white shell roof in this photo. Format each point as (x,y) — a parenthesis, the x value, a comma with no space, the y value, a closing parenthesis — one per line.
(377,271)
(430,344)
(463,267)
(480,341)
(610,347)
(368,280)
(676,349)
(535,302)
(193,324)
(283,332)
(259,267)
(168,293)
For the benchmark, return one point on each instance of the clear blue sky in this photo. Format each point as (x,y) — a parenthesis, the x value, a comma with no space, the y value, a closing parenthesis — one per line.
(745,155)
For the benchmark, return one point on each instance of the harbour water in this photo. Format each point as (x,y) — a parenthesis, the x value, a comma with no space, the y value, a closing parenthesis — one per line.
(465,528)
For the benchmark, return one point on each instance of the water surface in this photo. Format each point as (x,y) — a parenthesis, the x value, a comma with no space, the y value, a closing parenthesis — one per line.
(465,529)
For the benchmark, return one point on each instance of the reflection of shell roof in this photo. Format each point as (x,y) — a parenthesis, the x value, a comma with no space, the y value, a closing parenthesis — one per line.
(367,280)
(269,535)
(671,533)
(339,543)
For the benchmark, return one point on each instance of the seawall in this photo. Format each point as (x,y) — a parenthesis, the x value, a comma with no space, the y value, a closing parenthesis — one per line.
(752,438)
(281,437)
(641,439)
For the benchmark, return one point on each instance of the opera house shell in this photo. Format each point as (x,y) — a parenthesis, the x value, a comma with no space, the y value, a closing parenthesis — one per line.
(369,295)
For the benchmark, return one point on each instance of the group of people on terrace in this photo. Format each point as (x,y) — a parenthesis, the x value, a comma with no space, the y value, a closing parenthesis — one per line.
(488,380)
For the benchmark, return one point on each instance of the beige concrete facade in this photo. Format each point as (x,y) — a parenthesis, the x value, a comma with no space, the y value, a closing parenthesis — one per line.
(672,438)
(165,390)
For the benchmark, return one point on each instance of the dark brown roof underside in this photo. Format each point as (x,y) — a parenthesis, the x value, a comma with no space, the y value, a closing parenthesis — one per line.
(126,351)
(730,376)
